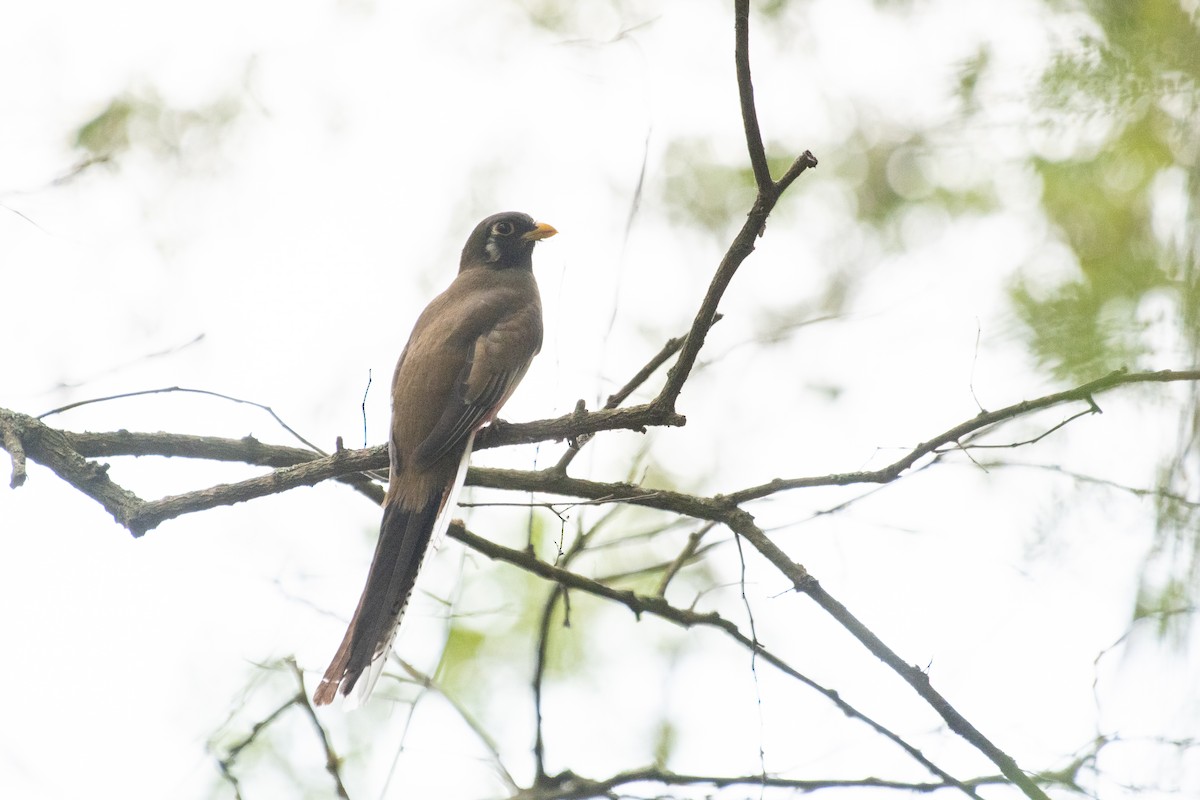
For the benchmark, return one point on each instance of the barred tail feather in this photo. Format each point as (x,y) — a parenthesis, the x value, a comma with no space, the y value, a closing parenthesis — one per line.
(366,684)
(406,538)
(403,539)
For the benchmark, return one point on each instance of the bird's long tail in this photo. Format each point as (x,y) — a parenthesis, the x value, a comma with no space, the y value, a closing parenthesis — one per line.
(404,539)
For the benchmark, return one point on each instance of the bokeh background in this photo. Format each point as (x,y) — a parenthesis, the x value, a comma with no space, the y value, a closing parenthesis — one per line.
(257,198)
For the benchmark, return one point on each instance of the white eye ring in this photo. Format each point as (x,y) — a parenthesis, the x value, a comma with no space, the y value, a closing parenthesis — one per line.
(503,228)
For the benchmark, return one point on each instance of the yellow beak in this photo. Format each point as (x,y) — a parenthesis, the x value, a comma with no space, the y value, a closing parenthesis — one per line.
(539,232)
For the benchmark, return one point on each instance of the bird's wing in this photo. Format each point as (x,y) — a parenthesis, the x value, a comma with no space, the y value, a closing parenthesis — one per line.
(494,365)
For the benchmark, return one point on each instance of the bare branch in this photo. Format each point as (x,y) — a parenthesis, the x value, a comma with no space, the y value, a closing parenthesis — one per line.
(769,193)
(539,674)
(427,682)
(657,360)
(569,786)
(247,450)
(741,57)
(621,395)
(225,764)
(333,764)
(686,618)
(633,418)
(742,245)
(58,450)
(181,389)
(739,250)
(684,557)
(16,451)
(805,583)
(1079,477)
(53,449)
(983,420)
(804,161)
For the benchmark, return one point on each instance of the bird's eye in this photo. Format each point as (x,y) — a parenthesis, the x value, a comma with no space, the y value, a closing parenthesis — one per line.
(503,228)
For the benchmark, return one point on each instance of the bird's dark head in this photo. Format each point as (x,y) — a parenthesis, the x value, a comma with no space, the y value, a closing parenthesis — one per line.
(503,241)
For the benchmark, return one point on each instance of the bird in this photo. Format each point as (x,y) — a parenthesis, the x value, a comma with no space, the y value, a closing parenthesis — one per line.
(466,354)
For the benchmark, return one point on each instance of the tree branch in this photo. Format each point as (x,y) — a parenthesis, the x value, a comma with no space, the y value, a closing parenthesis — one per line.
(64,452)
(578,423)
(185,390)
(806,584)
(427,681)
(742,246)
(52,448)
(741,58)
(953,435)
(58,450)
(621,395)
(16,451)
(685,618)
(333,763)
(569,786)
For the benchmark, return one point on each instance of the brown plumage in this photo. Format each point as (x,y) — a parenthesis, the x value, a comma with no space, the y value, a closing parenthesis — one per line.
(468,351)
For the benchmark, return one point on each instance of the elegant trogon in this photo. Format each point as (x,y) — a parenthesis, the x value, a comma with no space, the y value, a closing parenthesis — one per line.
(467,352)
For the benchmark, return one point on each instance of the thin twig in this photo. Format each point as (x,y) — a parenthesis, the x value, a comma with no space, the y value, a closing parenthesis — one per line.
(621,395)
(333,764)
(686,618)
(804,161)
(980,421)
(1136,491)
(55,449)
(762,753)
(741,57)
(574,787)
(167,389)
(539,672)
(806,584)
(684,557)
(965,447)
(559,592)
(427,681)
(226,763)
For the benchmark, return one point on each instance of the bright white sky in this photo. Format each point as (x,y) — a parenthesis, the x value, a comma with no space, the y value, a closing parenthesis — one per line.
(370,139)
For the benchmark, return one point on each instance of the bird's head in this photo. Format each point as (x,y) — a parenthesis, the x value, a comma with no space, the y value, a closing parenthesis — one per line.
(504,241)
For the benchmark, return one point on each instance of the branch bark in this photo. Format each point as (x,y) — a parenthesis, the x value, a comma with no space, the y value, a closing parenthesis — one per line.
(657,606)
(65,452)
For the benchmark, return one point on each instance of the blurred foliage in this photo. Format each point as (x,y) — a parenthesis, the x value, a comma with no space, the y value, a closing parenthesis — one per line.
(895,172)
(108,132)
(583,20)
(1102,206)
(1115,147)
(143,120)
(1120,188)
(889,171)
(627,547)
(254,751)
(1104,198)
(478,645)
(970,73)
(701,190)
(1124,196)
(461,652)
